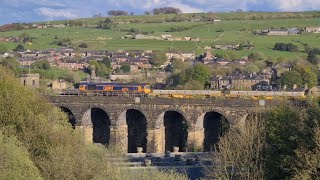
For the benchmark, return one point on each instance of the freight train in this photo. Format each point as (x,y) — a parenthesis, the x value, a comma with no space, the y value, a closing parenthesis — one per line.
(86,88)
(136,90)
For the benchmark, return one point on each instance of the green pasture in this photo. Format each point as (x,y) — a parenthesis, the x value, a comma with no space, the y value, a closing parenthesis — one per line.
(232,31)
(223,16)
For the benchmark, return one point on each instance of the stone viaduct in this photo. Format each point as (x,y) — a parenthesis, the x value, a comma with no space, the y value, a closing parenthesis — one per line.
(156,124)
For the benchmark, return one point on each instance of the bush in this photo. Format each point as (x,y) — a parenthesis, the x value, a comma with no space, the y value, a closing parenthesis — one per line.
(56,150)
(83,45)
(15,162)
(257,56)
(286,47)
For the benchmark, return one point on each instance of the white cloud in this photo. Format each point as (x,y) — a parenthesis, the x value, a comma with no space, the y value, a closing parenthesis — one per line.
(295,5)
(185,8)
(21,3)
(55,13)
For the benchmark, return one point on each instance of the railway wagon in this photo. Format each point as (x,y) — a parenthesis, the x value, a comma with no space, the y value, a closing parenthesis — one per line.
(185,93)
(267,94)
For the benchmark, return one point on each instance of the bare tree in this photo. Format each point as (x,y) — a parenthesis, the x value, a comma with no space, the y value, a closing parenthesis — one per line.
(239,154)
(309,160)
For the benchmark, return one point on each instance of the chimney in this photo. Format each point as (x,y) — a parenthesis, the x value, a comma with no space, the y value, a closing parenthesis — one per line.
(294,86)
(305,86)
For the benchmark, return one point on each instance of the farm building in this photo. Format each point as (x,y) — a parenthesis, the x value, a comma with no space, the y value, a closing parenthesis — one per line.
(312,29)
(281,32)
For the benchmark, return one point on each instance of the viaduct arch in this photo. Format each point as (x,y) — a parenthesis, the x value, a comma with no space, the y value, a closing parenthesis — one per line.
(155,124)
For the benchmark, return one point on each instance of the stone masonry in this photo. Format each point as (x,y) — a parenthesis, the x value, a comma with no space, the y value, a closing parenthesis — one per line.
(154,110)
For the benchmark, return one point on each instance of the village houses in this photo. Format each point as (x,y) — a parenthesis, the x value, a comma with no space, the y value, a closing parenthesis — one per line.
(238,80)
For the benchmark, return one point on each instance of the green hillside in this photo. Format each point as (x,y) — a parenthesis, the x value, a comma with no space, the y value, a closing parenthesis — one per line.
(229,30)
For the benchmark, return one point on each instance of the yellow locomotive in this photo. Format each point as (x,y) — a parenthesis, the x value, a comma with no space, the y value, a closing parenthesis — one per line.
(105,88)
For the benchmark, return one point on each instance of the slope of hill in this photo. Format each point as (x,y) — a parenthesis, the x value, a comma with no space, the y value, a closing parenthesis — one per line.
(234,31)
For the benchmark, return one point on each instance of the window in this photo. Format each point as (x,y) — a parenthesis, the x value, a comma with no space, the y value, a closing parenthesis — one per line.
(24,82)
(33,82)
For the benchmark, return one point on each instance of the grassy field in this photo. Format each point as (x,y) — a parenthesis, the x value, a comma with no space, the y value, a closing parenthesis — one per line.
(234,31)
(223,16)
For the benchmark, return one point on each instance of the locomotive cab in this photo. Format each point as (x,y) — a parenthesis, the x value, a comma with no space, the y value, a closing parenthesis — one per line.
(147,89)
(82,87)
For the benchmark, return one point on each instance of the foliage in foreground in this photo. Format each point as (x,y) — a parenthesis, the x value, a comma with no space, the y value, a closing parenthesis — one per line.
(48,146)
(284,144)
(243,159)
(15,162)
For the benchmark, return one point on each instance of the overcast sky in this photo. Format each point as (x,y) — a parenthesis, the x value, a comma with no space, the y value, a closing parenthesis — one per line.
(43,10)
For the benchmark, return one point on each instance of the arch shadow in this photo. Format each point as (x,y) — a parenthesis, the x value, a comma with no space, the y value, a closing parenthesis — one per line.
(99,121)
(214,125)
(175,132)
(71,117)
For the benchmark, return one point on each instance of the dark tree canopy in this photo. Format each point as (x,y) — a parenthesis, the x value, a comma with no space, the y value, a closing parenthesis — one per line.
(167,10)
(42,64)
(11,63)
(290,78)
(125,68)
(257,56)
(313,56)
(107,62)
(83,45)
(117,13)
(19,48)
(196,77)
(3,49)
(158,58)
(286,47)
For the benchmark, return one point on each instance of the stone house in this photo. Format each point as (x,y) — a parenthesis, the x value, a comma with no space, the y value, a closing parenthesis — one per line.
(312,29)
(281,32)
(142,36)
(238,80)
(277,32)
(220,83)
(180,55)
(166,36)
(59,84)
(247,82)
(222,61)
(30,80)
(27,61)
(315,91)
(187,38)
(195,39)
(282,67)
(72,64)
(263,86)
(208,55)
(226,46)
(58,25)
(241,61)
(29,54)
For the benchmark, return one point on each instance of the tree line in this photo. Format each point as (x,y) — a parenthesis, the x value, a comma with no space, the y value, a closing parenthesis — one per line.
(167,10)
(117,13)
(162,10)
